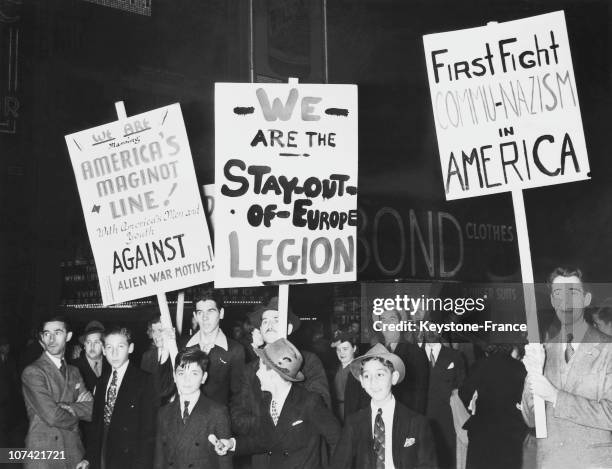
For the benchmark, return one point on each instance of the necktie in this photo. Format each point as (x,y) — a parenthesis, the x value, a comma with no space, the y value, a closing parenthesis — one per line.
(62,368)
(379,440)
(186,412)
(97,369)
(274,411)
(569,350)
(111,396)
(432,358)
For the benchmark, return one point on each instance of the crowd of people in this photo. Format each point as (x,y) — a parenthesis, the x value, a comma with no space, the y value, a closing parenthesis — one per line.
(257,401)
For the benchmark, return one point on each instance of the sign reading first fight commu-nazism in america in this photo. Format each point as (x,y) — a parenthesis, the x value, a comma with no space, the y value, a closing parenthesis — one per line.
(505,105)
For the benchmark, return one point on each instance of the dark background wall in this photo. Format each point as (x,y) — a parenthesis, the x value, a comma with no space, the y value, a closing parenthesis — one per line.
(77,58)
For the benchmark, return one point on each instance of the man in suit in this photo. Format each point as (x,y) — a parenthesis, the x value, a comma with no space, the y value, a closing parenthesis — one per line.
(92,364)
(446,372)
(156,360)
(185,424)
(245,406)
(294,420)
(226,356)
(386,434)
(122,433)
(56,399)
(576,384)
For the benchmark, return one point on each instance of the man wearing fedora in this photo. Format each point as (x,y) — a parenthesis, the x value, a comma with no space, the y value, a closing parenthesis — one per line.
(293,420)
(245,405)
(91,364)
(386,434)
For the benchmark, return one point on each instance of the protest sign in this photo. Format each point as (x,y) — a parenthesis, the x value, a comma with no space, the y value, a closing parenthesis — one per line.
(286,183)
(142,208)
(507,118)
(506,107)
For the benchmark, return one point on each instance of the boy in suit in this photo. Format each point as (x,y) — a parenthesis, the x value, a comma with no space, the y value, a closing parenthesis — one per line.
(184,425)
(122,433)
(386,435)
(293,420)
(56,399)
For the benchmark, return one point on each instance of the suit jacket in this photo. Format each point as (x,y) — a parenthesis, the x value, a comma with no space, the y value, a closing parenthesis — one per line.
(246,405)
(161,373)
(412,391)
(88,374)
(497,427)
(184,445)
(131,434)
(51,427)
(447,374)
(225,370)
(295,442)
(413,445)
(580,424)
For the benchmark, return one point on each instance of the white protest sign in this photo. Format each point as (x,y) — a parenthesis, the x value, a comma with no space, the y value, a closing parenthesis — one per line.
(286,183)
(506,107)
(142,206)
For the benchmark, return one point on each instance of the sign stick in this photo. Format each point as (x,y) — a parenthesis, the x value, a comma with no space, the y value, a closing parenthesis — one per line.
(180,306)
(283,308)
(164,311)
(531,312)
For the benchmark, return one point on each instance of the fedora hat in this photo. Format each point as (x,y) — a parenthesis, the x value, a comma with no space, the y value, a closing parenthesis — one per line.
(272,305)
(90,328)
(379,351)
(284,358)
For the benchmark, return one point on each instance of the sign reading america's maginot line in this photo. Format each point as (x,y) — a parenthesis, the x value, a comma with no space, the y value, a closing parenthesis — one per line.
(286,183)
(506,109)
(142,206)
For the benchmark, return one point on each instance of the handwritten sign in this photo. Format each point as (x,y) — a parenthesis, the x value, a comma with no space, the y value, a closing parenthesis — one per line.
(286,178)
(505,104)
(142,207)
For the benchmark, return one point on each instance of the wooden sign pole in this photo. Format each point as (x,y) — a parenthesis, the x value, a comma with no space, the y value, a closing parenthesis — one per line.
(166,320)
(531,312)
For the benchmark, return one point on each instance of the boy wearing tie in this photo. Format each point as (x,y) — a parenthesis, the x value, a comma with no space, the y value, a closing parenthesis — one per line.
(125,409)
(185,424)
(386,434)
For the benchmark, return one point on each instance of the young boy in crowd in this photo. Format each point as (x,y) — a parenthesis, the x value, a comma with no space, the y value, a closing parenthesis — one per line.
(185,424)
(294,420)
(386,434)
(125,410)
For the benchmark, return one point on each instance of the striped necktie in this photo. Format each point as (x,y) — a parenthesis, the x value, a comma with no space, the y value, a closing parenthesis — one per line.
(186,412)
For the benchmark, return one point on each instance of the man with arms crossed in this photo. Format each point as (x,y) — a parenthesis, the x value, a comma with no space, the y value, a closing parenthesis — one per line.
(56,399)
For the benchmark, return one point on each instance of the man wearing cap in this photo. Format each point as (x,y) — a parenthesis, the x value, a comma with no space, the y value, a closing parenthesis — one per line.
(245,407)
(386,434)
(293,419)
(92,364)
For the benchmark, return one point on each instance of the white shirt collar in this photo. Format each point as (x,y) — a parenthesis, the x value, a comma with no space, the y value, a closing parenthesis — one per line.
(388,412)
(193,400)
(220,340)
(280,398)
(56,361)
(434,347)
(120,374)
